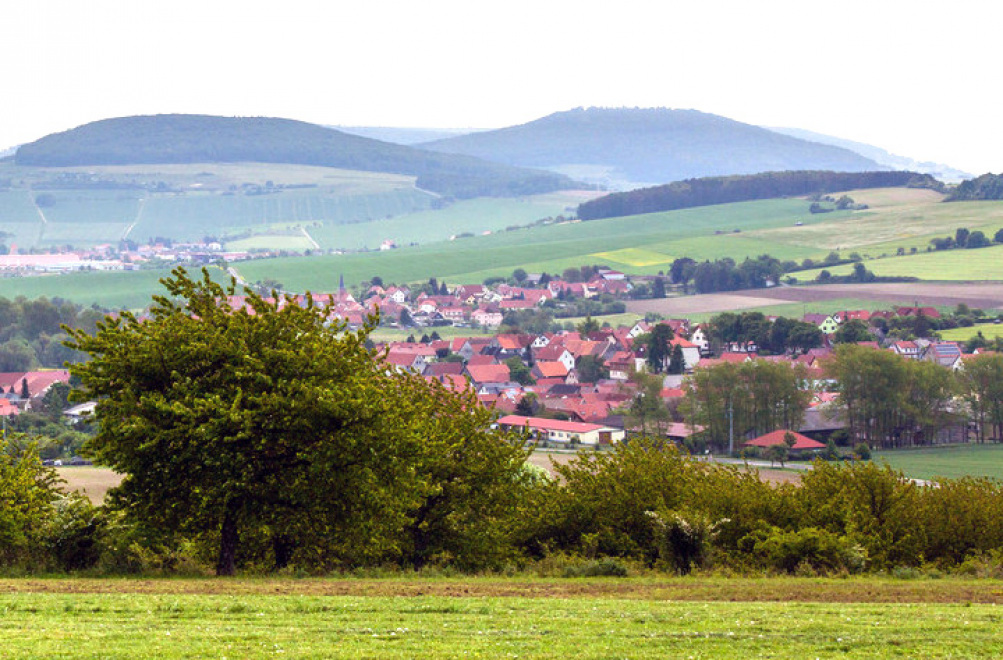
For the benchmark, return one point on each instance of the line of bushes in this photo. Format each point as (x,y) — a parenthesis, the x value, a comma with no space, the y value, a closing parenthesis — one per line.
(641,504)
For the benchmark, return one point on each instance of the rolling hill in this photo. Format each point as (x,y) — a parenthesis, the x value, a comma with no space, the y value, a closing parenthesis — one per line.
(190,139)
(627,148)
(881,156)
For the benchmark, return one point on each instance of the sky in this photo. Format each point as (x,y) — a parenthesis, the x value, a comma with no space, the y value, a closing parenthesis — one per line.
(916,78)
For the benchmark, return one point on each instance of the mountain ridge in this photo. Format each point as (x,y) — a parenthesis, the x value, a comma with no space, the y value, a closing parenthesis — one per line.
(190,139)
(636,147)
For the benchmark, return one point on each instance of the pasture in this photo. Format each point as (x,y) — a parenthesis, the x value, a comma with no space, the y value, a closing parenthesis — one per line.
(989,330)
(951,462)
(981,264)
(110,289)
(497,617)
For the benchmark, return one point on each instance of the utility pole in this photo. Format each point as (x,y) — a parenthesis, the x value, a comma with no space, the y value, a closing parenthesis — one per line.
(731,429)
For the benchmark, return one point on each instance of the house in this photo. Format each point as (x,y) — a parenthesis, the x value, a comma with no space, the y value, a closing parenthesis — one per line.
(944,353)
(563,433)
(488,373)
(555,353)
(555,369)
(691,352)
(907,349)
(486,318)
(801,442)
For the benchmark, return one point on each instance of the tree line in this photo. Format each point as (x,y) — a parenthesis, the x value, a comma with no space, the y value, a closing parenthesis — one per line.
(742,188)
(642,504)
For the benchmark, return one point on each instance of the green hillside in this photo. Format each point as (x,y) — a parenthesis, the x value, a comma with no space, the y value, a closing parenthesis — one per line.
(631,147)
(208,139)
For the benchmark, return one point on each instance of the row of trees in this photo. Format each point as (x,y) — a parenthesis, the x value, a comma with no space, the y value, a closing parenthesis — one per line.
(885,401)
(642,502)
(31,333)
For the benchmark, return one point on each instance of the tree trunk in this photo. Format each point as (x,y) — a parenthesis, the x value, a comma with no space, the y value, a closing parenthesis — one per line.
(283,548)
(229,537)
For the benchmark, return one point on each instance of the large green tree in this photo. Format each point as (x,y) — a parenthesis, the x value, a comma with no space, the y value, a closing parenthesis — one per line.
(273,432)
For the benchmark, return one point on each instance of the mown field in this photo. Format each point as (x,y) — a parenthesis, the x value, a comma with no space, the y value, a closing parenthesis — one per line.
(951,462)
(989,331)
(501,618)
(111,289)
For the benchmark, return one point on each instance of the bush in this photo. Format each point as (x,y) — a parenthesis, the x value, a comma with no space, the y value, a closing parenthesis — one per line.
(810,547)
(863,451)
(683,542)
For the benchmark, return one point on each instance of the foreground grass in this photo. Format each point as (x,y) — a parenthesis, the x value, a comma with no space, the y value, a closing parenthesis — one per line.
(634,618)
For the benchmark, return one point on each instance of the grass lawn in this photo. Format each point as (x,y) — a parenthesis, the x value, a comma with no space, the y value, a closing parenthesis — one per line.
(950,462)
(499,619)
(989,331)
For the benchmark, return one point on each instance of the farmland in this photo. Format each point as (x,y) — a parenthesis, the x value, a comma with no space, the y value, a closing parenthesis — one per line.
(946,265)
(950,462)
(492,617)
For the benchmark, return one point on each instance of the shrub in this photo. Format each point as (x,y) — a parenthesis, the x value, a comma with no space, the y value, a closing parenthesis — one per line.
(683,541)
(818,549)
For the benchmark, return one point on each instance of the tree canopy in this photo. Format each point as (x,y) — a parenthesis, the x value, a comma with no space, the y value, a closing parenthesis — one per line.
(272,432)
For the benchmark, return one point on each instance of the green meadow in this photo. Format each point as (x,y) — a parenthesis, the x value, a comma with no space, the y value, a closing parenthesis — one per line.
(951,462)
(989,330)
(943,265)
(547,619)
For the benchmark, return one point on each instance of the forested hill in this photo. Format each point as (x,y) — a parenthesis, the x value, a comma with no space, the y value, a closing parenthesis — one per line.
(987,186)
(649,146)
(208,139)
(724,190)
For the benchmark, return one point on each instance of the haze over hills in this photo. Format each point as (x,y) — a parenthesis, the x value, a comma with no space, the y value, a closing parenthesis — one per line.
(405,135)
(625,148)
(941,171)
(172,139)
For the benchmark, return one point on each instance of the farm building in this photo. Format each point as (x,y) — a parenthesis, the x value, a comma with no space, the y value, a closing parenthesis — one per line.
(557,431)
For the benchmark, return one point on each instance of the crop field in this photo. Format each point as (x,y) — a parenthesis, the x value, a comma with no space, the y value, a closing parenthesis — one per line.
(432,225)
(492,618)
(949,462)
(17,207)
(195,215)
(556,247)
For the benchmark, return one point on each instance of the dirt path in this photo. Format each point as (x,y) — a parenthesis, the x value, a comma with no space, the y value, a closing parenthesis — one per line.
(759,589)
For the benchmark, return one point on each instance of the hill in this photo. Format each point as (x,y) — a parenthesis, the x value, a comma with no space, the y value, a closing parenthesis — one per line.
(628,147)
(728,189)
(879,155)
(172,139)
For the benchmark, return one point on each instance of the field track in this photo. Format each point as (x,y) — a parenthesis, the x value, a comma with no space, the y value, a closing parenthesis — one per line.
(805,590)
(982,295)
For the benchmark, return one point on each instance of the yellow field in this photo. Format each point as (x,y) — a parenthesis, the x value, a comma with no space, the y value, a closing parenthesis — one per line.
(637,257)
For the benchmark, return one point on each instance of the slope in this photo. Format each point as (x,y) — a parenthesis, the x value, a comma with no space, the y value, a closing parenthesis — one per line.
(627,148)
(208,139)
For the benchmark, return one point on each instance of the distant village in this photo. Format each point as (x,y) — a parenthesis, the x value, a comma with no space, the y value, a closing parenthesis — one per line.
(126,256)
(571,387)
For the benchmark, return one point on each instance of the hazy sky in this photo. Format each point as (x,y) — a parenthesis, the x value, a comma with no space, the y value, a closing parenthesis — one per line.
(917,78)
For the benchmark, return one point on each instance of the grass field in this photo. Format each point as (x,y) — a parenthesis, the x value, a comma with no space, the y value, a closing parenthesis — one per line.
(111,289)
(553,248)
(949,462)
(944,265)
(989,331)
(497,618)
